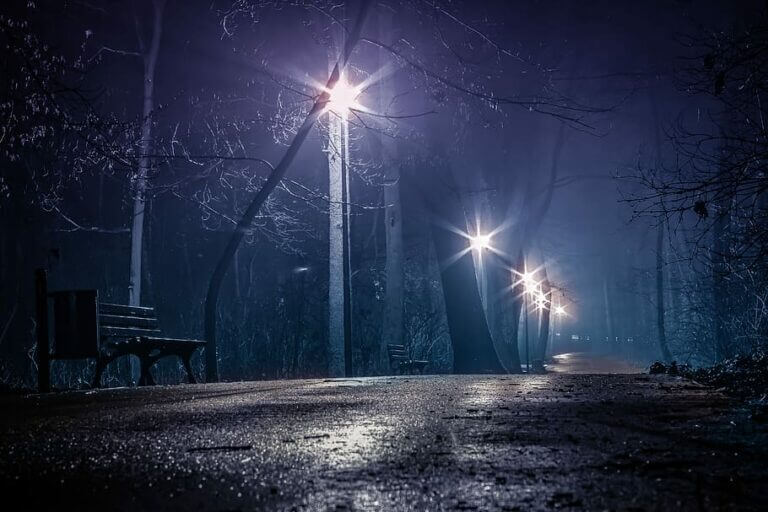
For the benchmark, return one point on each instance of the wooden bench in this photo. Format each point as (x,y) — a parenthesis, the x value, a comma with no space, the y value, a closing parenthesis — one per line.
(84,328)
(400,360)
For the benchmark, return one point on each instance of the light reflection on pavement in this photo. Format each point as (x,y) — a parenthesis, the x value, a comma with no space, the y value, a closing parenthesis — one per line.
(586,363)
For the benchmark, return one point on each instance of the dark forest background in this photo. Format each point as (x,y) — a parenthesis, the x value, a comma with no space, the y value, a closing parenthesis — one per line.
(621,147)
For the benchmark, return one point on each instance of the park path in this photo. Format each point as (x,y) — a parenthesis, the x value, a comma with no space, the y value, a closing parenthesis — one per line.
(588,363)
(538,442)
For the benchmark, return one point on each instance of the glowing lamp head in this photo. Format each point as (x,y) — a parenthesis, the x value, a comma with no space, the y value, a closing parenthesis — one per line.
(560,310)
(343,97)
(480,242)
(529,282)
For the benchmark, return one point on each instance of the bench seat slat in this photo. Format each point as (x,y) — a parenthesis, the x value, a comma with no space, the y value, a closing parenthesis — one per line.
(109,331)
(172,341)
(123,310)
(127,321)
(146,344)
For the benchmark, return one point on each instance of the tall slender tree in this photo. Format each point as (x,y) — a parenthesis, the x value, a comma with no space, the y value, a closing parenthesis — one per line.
(148,52)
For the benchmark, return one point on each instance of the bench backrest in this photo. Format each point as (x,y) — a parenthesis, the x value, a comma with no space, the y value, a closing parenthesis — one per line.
(76,324)
(397,351)
(81,322)
(120,321)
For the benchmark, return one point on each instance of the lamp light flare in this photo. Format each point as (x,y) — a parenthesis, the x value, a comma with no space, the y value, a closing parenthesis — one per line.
(480,242)
(529,283)
(343,97)
(560,310)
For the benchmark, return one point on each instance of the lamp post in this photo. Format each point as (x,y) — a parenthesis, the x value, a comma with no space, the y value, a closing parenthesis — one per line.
(342,99)
(529,285)
(480,243)
(527,353)
(560,312)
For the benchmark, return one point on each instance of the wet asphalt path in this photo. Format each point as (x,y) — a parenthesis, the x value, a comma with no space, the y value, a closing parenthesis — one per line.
(542,442)
(587,363)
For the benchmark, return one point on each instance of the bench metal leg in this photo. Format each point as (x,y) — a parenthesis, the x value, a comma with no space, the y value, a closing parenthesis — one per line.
(186,359)
(146,376)
(101,364)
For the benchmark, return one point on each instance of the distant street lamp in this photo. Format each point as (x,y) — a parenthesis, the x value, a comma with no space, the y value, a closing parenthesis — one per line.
(529,288)
(480,242)
(342,99)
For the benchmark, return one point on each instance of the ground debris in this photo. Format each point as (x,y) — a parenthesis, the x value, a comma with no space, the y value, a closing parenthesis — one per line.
(744,376)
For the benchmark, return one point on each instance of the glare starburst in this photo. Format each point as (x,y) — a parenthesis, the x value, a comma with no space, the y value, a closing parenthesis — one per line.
(480,242)
(344,97)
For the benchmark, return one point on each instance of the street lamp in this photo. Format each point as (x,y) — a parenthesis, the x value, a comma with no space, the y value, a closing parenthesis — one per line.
(529,283)
(480,242)
(530,287)
(540,299)
(342,98)
(560,312)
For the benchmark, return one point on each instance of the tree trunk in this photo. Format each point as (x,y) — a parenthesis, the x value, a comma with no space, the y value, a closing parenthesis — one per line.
(660,327)
(392,330)
(149,56)
(336,247)
(608,313)
(719,290)
(393,326)
(299,328)
(661,332)
(277,173)
(503,313)
(473,349)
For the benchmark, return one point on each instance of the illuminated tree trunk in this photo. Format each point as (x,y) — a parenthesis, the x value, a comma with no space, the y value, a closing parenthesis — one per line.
(149,56)
(336,311)
(145,148)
